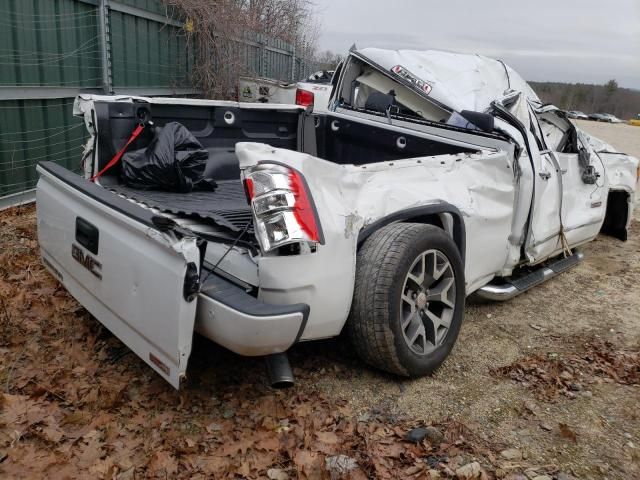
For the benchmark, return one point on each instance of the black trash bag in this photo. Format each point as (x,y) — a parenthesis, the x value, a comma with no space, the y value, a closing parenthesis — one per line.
(174,161)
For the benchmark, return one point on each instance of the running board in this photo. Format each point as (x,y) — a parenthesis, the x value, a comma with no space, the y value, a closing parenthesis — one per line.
(516,286)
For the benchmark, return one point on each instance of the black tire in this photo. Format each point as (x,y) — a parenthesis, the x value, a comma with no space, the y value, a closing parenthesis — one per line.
(374,325)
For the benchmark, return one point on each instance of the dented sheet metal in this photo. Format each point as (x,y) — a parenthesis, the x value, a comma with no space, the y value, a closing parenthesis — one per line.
(458,81)
(622,169)
(622,175)
(136,278)
(349,197)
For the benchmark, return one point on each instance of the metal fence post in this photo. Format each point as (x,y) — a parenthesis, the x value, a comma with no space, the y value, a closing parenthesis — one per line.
(263,64)
(105,46)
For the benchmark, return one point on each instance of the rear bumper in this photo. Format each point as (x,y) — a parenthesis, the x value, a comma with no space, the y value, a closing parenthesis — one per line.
(238,321)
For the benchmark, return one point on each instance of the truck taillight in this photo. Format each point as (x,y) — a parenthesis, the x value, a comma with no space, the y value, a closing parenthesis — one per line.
(282,206)
(302,210)
(248,189)
(304,97)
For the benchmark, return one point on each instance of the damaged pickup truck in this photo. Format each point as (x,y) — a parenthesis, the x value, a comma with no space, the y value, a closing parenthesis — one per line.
(433,176)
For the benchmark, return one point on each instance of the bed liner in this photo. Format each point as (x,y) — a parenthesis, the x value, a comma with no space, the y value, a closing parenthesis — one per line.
(226,206)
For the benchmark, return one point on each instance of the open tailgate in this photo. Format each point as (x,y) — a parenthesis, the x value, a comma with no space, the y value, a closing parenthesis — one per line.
(132,277)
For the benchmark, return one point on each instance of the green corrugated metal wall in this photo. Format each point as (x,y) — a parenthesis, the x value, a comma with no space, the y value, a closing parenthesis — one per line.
(146,56)
(32,131)
(49,42)
(49,49)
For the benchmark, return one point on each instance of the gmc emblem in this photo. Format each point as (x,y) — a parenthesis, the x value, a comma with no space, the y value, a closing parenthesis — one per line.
(411,78)
(86,260)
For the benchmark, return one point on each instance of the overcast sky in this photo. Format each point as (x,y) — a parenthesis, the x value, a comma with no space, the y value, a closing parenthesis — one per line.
(587,41)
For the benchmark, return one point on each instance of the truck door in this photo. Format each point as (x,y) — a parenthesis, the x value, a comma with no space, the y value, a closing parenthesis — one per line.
(582,174)
(543,237)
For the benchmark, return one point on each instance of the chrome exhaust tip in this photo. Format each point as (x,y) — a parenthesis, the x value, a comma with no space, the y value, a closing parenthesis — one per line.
(279,371)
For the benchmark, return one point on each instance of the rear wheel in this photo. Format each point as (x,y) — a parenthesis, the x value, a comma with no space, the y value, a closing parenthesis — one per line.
(409,299)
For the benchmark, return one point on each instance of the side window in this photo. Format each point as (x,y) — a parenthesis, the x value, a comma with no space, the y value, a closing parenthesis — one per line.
(362,86)
(535,128)
(336,75)
(558,133)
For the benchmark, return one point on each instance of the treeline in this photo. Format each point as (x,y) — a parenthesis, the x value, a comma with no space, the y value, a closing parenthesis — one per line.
(608,98)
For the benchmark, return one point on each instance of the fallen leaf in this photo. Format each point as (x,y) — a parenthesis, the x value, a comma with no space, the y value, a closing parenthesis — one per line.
(268,443)
(277,474)
(340,465)
(327,437)
(414,469)
(309,463)
(240,446)
(163,464)
(566,432)
(52,433)
(214,465)
(394,450)
(470,471)
(244,470)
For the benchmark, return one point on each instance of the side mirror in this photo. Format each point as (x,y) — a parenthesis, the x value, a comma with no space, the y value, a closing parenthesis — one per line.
(482,121)
(589,174)
(584,157)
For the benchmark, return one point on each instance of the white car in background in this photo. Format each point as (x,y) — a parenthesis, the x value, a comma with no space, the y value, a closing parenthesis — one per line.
(612,118)
(578,115)
(605,117)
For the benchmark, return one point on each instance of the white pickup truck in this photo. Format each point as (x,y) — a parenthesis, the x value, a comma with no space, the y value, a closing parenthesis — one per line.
(432,176)
(314,90)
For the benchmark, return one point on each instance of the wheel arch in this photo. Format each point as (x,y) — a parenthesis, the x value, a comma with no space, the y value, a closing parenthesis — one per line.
(436,214)
(618,213)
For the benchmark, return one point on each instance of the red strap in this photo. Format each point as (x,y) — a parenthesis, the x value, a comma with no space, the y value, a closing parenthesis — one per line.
(119,155)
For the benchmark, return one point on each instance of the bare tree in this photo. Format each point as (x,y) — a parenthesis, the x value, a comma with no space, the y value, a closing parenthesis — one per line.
(328,60)
(216,31)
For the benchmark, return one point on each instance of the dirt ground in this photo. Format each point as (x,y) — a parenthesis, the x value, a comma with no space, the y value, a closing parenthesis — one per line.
(544,386)
(624,137)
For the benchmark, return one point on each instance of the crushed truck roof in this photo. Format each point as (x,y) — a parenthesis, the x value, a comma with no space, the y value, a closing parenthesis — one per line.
(458,81)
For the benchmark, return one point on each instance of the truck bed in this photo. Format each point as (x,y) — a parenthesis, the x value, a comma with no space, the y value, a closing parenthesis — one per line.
(336,138)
